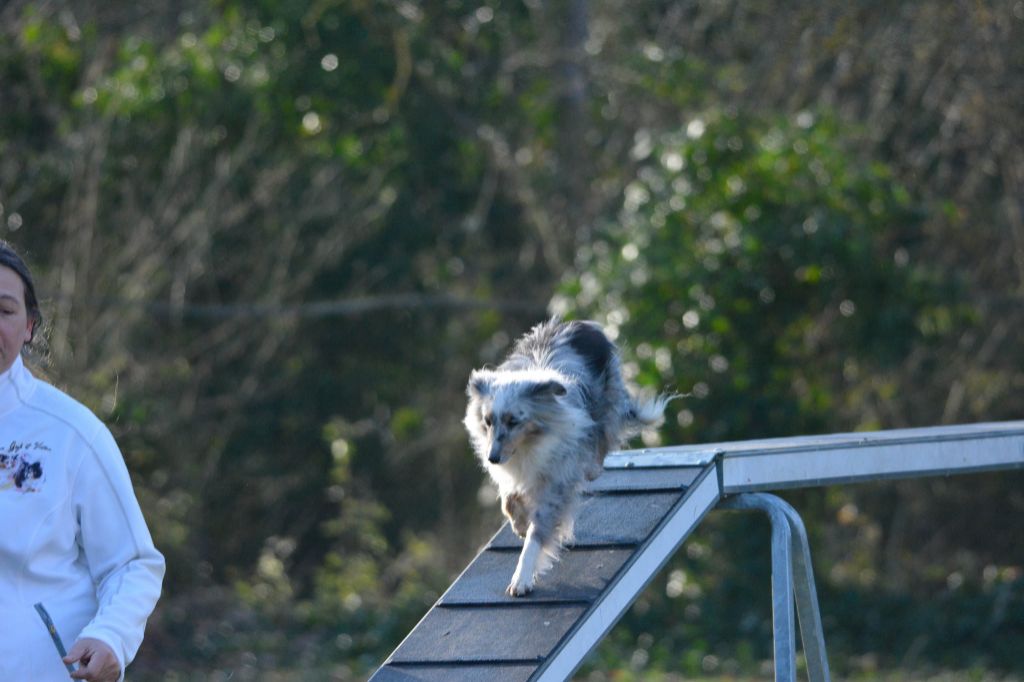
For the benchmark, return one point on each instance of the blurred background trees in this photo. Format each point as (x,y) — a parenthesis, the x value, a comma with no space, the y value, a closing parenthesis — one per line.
(275,236)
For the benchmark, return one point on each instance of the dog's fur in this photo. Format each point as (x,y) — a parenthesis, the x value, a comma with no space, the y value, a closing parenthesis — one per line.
(542,423)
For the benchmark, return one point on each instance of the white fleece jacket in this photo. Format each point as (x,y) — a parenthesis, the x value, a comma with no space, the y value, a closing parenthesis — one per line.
(72,535)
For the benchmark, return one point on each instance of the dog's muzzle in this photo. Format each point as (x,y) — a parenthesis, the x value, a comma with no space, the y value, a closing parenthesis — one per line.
(495,456)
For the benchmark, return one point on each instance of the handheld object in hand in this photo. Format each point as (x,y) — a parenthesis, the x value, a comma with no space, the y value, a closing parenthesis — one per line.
(54,635)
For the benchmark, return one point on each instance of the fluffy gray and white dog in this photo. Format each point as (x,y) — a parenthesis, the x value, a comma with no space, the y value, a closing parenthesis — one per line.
(542,423)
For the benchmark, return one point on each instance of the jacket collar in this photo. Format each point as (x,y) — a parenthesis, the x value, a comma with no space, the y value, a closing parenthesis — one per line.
(15,386)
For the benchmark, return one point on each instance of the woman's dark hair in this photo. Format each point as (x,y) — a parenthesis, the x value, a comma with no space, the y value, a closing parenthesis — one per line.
(9,258)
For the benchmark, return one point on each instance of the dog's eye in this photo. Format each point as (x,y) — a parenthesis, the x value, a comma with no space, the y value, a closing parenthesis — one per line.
(512,422)
(488,420)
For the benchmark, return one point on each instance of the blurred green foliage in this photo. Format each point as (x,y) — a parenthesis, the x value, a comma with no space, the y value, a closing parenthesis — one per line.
(770,269)
(275,236)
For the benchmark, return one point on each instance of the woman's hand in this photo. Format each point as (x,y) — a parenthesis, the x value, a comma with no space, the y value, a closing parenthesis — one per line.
(96,660)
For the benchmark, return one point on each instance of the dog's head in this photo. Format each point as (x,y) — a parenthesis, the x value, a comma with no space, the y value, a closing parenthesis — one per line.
(510,412)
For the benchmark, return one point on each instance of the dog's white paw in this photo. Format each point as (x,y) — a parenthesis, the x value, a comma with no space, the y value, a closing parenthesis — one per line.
(518,589)
(520,586)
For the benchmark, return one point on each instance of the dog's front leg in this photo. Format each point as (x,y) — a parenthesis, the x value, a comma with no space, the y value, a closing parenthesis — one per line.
(526,570)
(542,539)
(514,507)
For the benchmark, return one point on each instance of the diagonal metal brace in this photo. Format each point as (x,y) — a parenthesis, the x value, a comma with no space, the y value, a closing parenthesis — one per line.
(792,582)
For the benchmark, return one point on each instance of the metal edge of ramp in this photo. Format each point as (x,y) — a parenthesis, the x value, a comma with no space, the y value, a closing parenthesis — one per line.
(806,461)
(676,455)
(876,456)
(630,524)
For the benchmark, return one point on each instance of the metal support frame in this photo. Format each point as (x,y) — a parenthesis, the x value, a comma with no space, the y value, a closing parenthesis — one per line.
(792,582)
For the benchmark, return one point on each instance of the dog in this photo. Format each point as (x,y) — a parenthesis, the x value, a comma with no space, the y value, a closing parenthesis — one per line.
(541,424)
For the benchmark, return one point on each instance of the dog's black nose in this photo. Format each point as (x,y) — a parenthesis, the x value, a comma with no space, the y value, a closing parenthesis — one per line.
(494,455)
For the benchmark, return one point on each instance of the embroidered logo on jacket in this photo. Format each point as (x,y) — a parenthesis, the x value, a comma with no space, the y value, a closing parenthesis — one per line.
(19,470)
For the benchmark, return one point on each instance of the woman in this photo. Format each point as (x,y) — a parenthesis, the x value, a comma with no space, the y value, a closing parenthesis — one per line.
(73,538)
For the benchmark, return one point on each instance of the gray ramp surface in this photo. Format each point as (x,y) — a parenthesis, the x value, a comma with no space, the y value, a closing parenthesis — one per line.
(477,632)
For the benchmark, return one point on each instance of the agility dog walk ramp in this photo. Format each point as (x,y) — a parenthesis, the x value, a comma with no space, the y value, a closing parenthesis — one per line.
(628,525)
(634,518)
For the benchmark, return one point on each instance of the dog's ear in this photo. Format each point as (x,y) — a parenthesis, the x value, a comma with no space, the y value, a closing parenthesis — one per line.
(479,384)
(547,389)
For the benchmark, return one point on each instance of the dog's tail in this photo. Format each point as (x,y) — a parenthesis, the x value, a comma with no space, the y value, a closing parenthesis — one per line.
(646,411)
(632,416)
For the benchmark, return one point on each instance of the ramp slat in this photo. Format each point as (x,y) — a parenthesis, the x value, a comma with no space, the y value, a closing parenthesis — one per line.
(646,480)
(605,520)
(454,673)
(503,634)
(579,576)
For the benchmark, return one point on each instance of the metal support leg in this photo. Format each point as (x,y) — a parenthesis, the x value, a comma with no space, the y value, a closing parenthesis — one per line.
(792,582)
